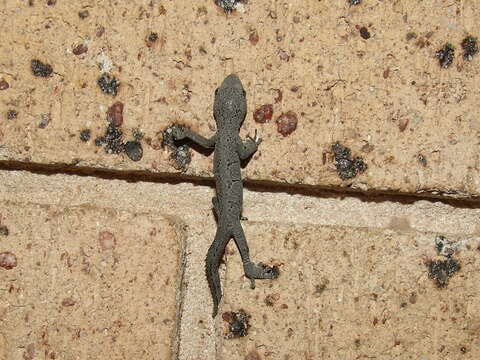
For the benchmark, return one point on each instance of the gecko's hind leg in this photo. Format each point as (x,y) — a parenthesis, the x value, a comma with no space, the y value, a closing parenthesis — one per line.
(252,270)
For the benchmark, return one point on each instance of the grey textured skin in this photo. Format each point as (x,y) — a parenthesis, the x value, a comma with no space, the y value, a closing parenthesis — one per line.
(230,108)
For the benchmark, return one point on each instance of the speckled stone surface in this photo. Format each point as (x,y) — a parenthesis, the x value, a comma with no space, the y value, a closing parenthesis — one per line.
(352,293)
(343,261)
(87,283)
(365,76)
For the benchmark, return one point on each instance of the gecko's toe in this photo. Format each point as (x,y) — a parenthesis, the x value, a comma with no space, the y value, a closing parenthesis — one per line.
(271,272)
(260,271)
(178,132)
(256,139)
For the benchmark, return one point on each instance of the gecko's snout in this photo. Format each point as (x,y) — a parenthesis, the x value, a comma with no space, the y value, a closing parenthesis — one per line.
(232,81)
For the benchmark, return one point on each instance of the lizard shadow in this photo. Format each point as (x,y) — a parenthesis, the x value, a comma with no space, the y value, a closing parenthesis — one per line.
(244,163)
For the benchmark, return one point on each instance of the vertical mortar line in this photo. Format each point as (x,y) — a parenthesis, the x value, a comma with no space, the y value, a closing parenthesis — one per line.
(435,342)
(352,259)
(54,234)
(313,319)
(181,230)
(189,340)
(315,316)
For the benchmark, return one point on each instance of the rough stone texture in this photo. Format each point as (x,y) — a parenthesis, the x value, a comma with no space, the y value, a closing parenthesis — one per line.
(88,284)
(353,293)
(174,202)
(385,97)
(393,225)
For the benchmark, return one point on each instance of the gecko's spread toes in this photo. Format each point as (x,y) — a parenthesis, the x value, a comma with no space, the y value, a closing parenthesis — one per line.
(260,271)
(256,139)
(270,272)
(178,132)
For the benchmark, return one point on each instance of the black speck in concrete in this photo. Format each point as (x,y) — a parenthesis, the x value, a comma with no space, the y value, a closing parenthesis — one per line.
(411,35)
(152,37)
(347,167)
(4,85)
(364,33)
(444,247)
(238,324)
(137,134)
(12,114)
(45,120)
(470,47)
(134,150)
(85,135)
(422,160)
(112,141)
(83,14)
(442,270)
(321,287)
(109,85)
(41,69)
(4,230)
(445,55)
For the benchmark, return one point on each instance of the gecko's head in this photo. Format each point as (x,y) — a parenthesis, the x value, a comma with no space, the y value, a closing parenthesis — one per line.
(230,105)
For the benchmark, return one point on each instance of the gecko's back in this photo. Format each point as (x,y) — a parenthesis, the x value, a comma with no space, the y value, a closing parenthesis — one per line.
(230,108)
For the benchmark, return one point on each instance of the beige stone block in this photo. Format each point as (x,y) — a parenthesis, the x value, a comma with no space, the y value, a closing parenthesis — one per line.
(385,97)
(89,283)
(352,293)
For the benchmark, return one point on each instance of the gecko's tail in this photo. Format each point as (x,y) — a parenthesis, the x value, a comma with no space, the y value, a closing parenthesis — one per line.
(214,256)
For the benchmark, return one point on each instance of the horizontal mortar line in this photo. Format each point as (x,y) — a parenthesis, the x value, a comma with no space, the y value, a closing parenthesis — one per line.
(313,223)
(177,221)
(322,191)
(171,217)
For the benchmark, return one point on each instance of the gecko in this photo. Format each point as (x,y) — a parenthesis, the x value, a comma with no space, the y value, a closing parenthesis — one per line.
(229,110)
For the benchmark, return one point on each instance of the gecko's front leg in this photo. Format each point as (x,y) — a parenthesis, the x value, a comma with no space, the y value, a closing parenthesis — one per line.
(181,133)
(247,148)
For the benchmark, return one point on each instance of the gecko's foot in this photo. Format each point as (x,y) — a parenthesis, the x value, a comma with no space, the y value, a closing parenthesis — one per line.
(256,139)
(260,271)
(178,132)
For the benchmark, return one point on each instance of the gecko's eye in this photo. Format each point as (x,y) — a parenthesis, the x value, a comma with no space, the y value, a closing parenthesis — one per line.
(244,93)
(216,91)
